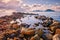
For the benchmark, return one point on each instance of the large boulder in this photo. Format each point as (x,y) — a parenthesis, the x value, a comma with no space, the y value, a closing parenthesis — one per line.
(56,37)
(39,32)
(27,31)
(56,24)
(57,31)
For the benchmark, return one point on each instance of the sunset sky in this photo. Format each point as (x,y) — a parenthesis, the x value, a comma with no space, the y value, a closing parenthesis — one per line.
(28,5)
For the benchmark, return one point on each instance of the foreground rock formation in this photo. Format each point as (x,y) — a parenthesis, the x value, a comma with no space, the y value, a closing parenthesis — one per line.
(48,29)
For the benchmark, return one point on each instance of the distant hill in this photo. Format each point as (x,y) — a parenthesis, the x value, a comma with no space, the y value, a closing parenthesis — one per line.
(49,10)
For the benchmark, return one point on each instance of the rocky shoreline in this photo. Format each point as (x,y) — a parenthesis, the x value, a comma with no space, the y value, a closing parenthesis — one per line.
(11,30)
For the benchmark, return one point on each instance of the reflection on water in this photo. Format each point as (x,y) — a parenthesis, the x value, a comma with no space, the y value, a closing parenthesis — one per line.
(30,20)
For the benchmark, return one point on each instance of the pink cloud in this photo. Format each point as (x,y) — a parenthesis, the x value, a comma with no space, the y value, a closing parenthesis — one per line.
(4,12)
(44,7)
(18,5)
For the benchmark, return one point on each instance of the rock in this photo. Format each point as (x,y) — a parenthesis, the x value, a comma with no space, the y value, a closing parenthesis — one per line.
(47,23)
(57,31)
(24,39)
(41,38)
(37,24)
(49,36)
(41,17)
(49,18)
(53,28)
(24,25)
(27,31)
(1,36)
(56,24)
(15,38)
(36,17)
(12,35)
(21,35)
(10,31)
(39,32)
(9,39)
(35,37)
(2,20)
(15,26)
(56,37)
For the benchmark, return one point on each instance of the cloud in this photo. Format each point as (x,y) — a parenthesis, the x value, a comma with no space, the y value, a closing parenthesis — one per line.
(43,7)
(4,12)
(11,4)
(5,1)
(12,1)
(19,5)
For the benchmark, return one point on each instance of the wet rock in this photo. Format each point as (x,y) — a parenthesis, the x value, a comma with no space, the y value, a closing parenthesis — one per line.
(12,35)
(15,26)
(21,35)
(56,37)
(2,20)
(37,24)
(24,39)
(47,23)
(1,36)
(10,31)
(53,29)
(39,32)
(35,37)
(49,36)
(15,38)
(41,38)
(27,31)
(9,39)
(24,25)
(41,17)
(57,31)
(56,24)
(49,18)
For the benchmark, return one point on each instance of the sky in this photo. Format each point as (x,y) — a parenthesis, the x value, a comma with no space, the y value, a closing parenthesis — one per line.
(42,1)
(8,6)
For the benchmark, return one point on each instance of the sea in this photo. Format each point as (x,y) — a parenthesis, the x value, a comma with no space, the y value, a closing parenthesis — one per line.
(54,15)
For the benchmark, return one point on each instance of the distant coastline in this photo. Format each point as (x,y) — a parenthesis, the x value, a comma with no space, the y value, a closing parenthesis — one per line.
(47,10)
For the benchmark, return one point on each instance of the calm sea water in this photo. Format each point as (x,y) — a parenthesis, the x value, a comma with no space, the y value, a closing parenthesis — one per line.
(54,15)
